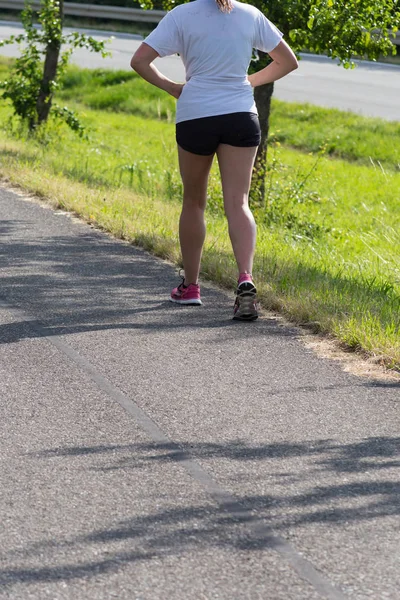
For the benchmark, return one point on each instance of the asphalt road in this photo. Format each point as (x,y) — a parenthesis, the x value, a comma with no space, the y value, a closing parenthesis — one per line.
(370,89)
(150,451)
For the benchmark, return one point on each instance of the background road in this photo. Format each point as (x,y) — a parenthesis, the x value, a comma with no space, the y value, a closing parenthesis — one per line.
(370,89)
(151,452)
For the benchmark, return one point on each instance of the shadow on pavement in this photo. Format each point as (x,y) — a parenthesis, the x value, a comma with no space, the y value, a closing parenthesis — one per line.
(88,281)
(176,530)
(332,456)
(91,283)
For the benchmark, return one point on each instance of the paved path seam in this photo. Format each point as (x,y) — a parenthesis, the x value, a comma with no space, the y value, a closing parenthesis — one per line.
(224,499)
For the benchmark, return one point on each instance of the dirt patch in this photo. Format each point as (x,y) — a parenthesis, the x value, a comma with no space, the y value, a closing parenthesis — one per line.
(355,363)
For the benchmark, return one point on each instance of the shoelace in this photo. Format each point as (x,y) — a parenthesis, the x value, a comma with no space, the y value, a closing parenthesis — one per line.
(181,286)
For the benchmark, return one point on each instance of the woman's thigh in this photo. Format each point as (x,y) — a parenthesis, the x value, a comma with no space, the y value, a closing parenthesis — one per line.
(236,168)
(194,169)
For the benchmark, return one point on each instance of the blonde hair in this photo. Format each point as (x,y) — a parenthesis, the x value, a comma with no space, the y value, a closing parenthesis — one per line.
(224,5)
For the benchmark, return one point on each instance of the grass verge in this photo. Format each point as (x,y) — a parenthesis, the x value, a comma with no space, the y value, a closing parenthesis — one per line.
(302,126)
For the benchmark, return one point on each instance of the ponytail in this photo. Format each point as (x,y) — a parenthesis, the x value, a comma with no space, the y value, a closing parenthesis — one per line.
(224,5)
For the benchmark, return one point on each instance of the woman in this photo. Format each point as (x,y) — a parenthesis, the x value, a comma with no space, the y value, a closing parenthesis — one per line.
(216,114)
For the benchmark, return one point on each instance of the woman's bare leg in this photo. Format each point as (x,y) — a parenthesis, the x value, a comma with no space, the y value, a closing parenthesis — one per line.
(194,170)
(236,166)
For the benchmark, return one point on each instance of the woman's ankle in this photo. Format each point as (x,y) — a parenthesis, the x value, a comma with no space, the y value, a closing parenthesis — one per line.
(187,283)
(245,276)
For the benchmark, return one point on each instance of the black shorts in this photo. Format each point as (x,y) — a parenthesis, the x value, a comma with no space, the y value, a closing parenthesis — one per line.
(203,136)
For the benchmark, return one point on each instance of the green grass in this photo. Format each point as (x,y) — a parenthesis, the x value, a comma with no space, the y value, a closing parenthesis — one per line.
(5,64)
(309,128)
(117,91)
(329,233)
(302,126)
(343,135)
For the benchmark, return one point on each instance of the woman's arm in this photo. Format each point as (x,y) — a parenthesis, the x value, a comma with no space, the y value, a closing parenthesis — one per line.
(284,61)
(141,63)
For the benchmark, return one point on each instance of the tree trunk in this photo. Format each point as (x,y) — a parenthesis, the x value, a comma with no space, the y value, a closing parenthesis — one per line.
(45,97)
(262,96)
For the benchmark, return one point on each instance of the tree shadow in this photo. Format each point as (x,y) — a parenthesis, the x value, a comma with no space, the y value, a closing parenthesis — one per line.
(91,283)
(326,454)
(8,226)
(86,280)
(242,522)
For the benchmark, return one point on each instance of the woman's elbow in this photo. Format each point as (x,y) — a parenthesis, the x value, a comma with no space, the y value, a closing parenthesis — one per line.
(137,61)
(292,61)
(288,65)
(143,57)
(134,62)
(294,64)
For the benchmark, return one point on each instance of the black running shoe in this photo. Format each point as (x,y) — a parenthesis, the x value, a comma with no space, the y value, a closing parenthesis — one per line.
(245,308)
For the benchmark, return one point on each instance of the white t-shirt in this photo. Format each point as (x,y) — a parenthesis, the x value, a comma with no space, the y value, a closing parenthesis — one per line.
(216,50)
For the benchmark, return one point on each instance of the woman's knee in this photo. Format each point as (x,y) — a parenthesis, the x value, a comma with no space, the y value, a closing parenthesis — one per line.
(235,205)
(194,200)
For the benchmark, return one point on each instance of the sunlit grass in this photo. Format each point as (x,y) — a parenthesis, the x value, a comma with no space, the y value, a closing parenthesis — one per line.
(370,141)
(303,126)
(342,134)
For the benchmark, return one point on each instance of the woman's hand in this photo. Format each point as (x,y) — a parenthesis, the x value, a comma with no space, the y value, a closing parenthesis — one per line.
(249,79)
(283,62)
(142,63)
(176,89)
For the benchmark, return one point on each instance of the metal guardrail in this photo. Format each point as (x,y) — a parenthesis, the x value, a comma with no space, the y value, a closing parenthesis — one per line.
(94,11)
(121,13)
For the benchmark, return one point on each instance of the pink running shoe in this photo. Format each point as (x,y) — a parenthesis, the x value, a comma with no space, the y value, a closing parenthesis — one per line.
(186,295)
